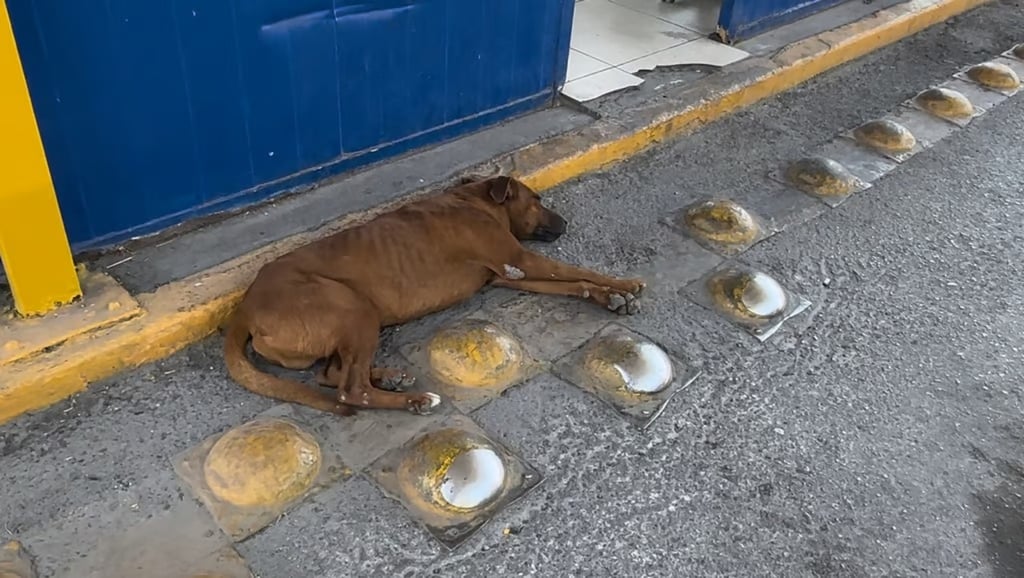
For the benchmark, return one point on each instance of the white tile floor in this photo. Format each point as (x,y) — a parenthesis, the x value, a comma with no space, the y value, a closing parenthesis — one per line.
(613,39)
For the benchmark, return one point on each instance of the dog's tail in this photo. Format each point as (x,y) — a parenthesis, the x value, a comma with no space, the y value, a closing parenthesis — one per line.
(242,370)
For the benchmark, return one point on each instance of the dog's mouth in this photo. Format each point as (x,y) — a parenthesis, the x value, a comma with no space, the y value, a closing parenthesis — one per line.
(546,235)
(549,232)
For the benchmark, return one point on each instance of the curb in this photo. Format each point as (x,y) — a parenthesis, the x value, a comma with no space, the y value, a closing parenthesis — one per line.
(183,312)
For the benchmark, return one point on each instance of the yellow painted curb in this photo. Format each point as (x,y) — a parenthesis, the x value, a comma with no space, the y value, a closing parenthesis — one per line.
(104,303)
(186,311)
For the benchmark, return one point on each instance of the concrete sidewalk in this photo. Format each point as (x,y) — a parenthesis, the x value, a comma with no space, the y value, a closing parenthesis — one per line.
(877,433)
(171,302)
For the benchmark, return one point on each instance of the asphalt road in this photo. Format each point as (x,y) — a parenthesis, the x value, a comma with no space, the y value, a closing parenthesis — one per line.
(880,433)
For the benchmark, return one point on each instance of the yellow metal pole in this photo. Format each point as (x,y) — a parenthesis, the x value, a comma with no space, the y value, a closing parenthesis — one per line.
(33,244)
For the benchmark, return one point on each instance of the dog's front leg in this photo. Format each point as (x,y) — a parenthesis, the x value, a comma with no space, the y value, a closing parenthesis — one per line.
(533,267)
(621,302)
(528,271)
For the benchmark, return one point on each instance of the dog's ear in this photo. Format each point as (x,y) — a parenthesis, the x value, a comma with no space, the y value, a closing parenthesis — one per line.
(502,189)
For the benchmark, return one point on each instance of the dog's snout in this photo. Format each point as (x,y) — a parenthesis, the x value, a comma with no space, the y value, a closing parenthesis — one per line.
(551,228)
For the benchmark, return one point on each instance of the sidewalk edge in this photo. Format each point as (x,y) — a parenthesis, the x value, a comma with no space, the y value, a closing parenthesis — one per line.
(181,313)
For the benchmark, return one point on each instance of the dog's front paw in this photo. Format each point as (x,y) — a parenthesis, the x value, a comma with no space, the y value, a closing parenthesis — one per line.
(623,303)
(423,404)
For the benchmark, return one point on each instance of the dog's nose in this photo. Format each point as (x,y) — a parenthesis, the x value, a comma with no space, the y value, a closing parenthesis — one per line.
(560,225)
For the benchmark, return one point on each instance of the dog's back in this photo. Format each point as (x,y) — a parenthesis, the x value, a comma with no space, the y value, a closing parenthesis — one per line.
(408,262)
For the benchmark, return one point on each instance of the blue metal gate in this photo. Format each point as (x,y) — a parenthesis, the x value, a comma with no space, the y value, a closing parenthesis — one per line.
(153,111)
(740,19)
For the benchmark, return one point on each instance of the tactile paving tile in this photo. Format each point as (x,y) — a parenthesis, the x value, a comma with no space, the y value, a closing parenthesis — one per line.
(453,478)
(251,474)
(747,298)
(629,372)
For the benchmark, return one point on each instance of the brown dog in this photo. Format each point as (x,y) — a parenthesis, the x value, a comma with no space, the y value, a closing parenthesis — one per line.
(330,299)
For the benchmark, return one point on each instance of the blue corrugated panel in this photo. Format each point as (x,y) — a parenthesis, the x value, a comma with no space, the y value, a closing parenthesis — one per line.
(741,19)
(159,110)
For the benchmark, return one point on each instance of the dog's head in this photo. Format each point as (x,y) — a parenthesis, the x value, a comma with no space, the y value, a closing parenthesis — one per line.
(530,220)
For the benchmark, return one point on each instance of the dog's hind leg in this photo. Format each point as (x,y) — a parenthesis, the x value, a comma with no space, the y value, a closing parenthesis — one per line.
(358,391)
(386,378)
(368,396)
(355,354)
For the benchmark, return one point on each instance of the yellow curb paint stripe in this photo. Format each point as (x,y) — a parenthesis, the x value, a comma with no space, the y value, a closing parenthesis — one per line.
(182,313)
(49,378)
